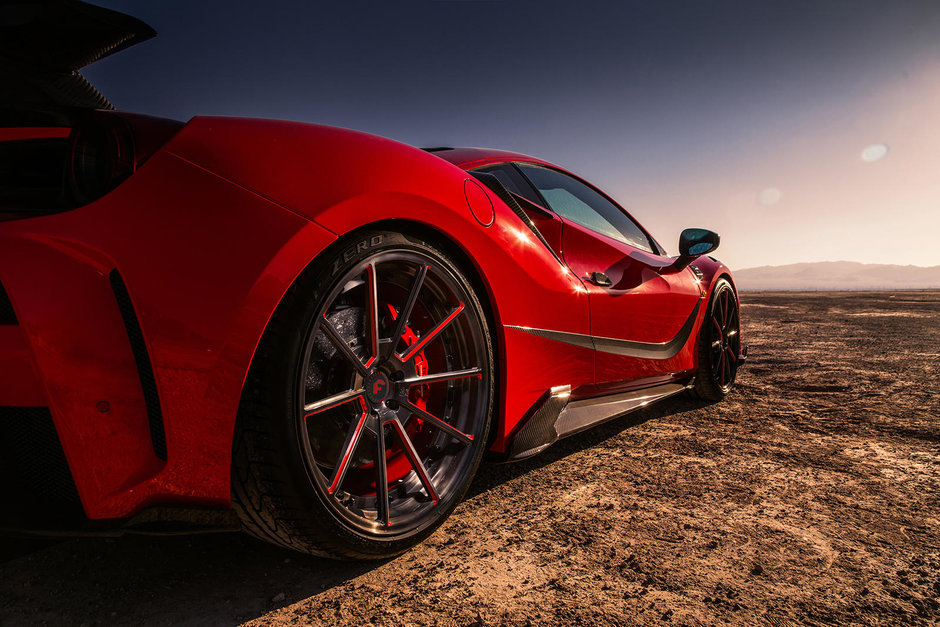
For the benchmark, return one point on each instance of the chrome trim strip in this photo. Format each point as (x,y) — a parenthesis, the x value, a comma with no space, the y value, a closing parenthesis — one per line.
(614,346)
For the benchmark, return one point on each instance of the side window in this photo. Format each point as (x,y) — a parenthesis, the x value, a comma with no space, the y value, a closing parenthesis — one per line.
(575,201)
(509,176)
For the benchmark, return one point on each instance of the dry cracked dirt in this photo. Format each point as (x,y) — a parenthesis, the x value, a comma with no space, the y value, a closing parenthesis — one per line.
(810,496)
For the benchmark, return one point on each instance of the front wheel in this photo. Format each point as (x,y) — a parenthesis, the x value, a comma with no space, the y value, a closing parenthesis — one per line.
(367,409)
(719,344)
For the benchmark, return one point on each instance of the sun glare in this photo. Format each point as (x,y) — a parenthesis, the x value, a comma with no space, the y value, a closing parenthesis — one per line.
(769,196)
(874,152)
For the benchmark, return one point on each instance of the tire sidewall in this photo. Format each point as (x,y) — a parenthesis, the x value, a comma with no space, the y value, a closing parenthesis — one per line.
(706,386)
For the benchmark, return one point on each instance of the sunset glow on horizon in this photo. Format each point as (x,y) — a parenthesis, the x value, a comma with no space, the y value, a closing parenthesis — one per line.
(799,131)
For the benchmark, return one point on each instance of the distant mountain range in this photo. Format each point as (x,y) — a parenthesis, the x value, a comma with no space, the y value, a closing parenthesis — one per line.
(837,275)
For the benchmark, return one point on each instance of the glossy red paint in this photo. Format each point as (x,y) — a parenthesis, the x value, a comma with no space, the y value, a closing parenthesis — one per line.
(204,279)
(643,303)
(20,385)
(22,133)
(210,232)
(479,202)
(415,189)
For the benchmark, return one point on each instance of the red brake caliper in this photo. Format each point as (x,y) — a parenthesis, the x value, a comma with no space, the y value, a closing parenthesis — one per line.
(418,392)
(398,466)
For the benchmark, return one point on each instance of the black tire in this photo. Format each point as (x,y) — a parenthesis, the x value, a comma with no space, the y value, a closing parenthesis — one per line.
(719,344)
(304,452)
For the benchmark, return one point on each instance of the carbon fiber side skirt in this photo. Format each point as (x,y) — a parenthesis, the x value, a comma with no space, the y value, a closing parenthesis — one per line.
(556,418)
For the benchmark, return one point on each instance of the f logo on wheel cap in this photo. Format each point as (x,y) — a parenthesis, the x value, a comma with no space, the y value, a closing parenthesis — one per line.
(377,388)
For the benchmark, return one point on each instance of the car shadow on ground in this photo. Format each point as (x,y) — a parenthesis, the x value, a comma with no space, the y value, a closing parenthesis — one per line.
(211,578)
(494,474)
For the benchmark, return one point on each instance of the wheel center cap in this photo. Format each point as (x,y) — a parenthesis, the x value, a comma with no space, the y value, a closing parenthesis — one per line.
(377,388)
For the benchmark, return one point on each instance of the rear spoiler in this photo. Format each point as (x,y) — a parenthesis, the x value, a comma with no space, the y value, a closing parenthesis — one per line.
(43,44)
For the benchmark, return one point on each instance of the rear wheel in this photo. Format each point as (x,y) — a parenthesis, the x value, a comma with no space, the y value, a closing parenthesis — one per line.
(368,406)
(719,345)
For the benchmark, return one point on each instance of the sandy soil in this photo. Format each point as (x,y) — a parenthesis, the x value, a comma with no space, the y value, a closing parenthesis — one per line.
(810,496)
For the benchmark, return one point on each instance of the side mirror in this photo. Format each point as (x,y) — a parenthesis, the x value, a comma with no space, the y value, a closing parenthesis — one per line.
(694,243)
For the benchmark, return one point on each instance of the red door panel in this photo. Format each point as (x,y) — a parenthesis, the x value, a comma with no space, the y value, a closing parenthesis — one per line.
(642,318)
(641,305)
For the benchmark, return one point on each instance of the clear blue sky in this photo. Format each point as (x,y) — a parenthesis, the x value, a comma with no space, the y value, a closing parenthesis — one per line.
(750,118)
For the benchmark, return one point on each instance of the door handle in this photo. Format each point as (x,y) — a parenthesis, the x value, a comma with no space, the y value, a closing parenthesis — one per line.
(599,278)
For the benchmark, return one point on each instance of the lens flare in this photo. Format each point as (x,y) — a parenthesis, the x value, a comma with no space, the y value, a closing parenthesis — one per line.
(769,196)
(874,152)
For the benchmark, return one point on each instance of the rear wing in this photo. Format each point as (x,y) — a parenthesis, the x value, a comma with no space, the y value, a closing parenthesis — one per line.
(43,44)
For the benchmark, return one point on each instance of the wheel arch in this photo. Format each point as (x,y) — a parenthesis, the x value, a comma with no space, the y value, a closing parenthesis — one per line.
(484,289)
(345,181)
(705,385)
(726,274)
(437,237)
(713,271)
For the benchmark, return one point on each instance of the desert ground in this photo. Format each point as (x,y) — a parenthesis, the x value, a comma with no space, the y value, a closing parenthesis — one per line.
(810,496)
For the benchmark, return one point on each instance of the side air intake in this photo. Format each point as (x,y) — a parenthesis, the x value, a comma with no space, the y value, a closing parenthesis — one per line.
(144,369)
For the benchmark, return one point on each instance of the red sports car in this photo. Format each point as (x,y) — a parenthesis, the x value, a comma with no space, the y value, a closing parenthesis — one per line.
(320,330)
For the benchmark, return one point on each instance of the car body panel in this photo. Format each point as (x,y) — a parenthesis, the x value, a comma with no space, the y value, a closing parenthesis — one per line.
(399,182)
(131,321)
(643,304)
(204,280)
(20,385)
(206,260)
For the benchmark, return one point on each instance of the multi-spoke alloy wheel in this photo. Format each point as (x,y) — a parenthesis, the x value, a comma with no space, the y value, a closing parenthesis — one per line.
(392,393)
(719,344)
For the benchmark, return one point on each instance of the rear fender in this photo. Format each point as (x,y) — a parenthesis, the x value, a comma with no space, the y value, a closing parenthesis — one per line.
(525,284)
(205,263)
(346,180)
